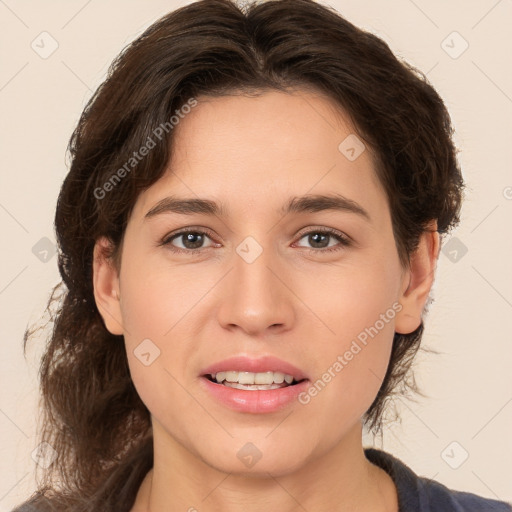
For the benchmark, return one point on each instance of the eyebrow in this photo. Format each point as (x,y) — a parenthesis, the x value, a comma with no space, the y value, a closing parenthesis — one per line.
(302,204)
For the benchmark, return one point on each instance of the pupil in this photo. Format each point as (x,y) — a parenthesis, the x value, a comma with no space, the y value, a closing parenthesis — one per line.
(189,238)
(314,238)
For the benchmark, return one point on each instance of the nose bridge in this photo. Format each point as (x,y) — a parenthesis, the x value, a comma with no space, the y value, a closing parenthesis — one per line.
(256,298)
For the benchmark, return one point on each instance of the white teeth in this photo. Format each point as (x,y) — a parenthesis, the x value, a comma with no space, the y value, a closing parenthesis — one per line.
(279,377)
(246,378)
(262,378)
(253,387)
(220,376)
(229,376)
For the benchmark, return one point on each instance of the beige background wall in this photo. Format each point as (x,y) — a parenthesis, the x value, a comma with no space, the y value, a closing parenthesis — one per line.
(468,410)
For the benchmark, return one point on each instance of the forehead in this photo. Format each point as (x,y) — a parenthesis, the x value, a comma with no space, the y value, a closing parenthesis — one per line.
(246,150)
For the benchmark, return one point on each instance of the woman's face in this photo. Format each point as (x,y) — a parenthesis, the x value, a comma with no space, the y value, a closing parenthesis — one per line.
(259,279)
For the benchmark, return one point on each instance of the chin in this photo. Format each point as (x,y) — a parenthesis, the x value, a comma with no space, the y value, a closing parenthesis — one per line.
(256,459)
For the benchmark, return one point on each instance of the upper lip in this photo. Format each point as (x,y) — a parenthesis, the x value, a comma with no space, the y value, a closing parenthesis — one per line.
(255,365)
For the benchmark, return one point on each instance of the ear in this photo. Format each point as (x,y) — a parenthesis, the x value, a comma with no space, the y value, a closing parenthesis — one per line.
(418,280)
(106,287)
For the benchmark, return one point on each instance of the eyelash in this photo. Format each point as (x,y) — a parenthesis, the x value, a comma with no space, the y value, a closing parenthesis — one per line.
(343,239)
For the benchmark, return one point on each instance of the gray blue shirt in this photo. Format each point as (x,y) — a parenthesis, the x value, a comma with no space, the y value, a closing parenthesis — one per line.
(419,494)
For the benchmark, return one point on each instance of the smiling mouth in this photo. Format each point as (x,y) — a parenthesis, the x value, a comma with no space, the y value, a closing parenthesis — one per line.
(253,381)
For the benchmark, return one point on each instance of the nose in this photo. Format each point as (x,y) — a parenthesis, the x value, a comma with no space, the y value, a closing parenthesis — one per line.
(257,296)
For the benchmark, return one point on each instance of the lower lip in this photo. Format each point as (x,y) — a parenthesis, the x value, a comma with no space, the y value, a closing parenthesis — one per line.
(257,401)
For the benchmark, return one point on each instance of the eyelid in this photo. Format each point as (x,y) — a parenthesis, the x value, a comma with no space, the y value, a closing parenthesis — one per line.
(344,240)
(327,230)
(166,240)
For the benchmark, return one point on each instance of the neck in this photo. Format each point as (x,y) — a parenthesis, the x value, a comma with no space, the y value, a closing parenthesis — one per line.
(341,479)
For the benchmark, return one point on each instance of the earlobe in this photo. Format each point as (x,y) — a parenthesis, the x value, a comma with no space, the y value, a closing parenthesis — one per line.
(418,281)
(106,287)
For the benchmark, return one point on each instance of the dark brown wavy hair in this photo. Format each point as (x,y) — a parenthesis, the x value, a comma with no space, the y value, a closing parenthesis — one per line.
(92,415)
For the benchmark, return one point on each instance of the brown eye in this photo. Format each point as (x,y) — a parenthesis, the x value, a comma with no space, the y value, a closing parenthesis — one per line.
(319,239)
(191,240)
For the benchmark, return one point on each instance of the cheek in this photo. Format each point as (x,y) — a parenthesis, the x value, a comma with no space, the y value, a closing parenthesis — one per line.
(351,370)
(157,297)
(355,298)
(156,353)
(359,309)
(157,307)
